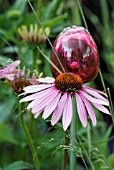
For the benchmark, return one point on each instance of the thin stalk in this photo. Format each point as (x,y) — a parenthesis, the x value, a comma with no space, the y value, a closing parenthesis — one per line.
(109,96)
(89,137)
(111,105)
(34,60)
(46,35)
(102,80)
(29,139)
(99,146)
(82,14)
(39,7)
(73,136)
(65,159)
(9,44)
(87,155)
(49,60)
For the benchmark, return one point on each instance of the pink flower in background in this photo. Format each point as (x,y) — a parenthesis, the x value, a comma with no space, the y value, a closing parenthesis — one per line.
(22,81)
(10,71)
(17,78)
(54,97)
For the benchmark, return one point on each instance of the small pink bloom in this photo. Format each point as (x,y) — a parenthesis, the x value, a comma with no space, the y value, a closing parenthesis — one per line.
(10,71)
(17,78)
(54,97)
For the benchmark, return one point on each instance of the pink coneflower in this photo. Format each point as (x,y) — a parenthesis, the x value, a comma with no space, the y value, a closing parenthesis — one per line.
(54,96)
(10,71)
(17,78)
(34,34)
(20,82)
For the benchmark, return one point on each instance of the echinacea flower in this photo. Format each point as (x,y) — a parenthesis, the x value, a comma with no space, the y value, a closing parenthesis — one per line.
(20,82)
(54,97)
(17,78)
(33,34)
(10,71)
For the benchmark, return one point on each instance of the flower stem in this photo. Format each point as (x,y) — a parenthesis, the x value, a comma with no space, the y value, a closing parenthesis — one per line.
(89,137)
(29,139)
(87,155)
(100,148)
(39,7)
(111,106)
(34,59)
(82,14)
(64,166)
(73,136)
(102,80)
(46,35)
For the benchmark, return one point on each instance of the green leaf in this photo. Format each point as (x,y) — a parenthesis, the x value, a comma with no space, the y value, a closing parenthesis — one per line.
(51,9)
(19,5)
(19,165)
(52,22)
(105,138)
(6,134)
(10,49)
(16,9)
(111,159)
(6,108)
(13,13)
(4,60)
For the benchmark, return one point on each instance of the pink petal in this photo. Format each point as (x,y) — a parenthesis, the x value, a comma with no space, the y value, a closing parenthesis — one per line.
(67,113)
(9,69)
(94,100)
(29,98)
(94,93)
(89,109)
(9,76)
(98,91)
(38,95)
(59,110)
(46,80)
(51,106)
(101,108)
(12,66)
(38,113)
(36,88)
(81,110)
(42,103)
(42,97)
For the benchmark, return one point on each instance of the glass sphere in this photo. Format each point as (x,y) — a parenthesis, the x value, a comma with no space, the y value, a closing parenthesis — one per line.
(77,53)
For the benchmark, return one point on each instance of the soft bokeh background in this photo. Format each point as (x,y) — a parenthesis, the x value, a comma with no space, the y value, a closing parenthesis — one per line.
(55,14)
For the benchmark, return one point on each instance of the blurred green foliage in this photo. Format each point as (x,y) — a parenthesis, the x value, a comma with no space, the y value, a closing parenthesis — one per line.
(55,14)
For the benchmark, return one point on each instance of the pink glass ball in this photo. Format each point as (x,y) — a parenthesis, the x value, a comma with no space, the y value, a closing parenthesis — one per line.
(77,52)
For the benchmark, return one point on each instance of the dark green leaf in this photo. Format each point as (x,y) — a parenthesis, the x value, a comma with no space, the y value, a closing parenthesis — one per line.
(19,165)
(6,134)
(52,22)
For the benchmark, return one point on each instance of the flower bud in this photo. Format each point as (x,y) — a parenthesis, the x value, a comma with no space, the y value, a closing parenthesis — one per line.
(77,53)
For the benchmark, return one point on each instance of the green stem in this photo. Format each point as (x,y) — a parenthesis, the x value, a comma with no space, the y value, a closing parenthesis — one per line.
(46,35)
(89,137)
(82,14)
(64,166)
(35,59)
(111,106)
(73,136)
(39,6)
(29,139)
(87,155)
(102,80)
(99,147)
(108,94)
